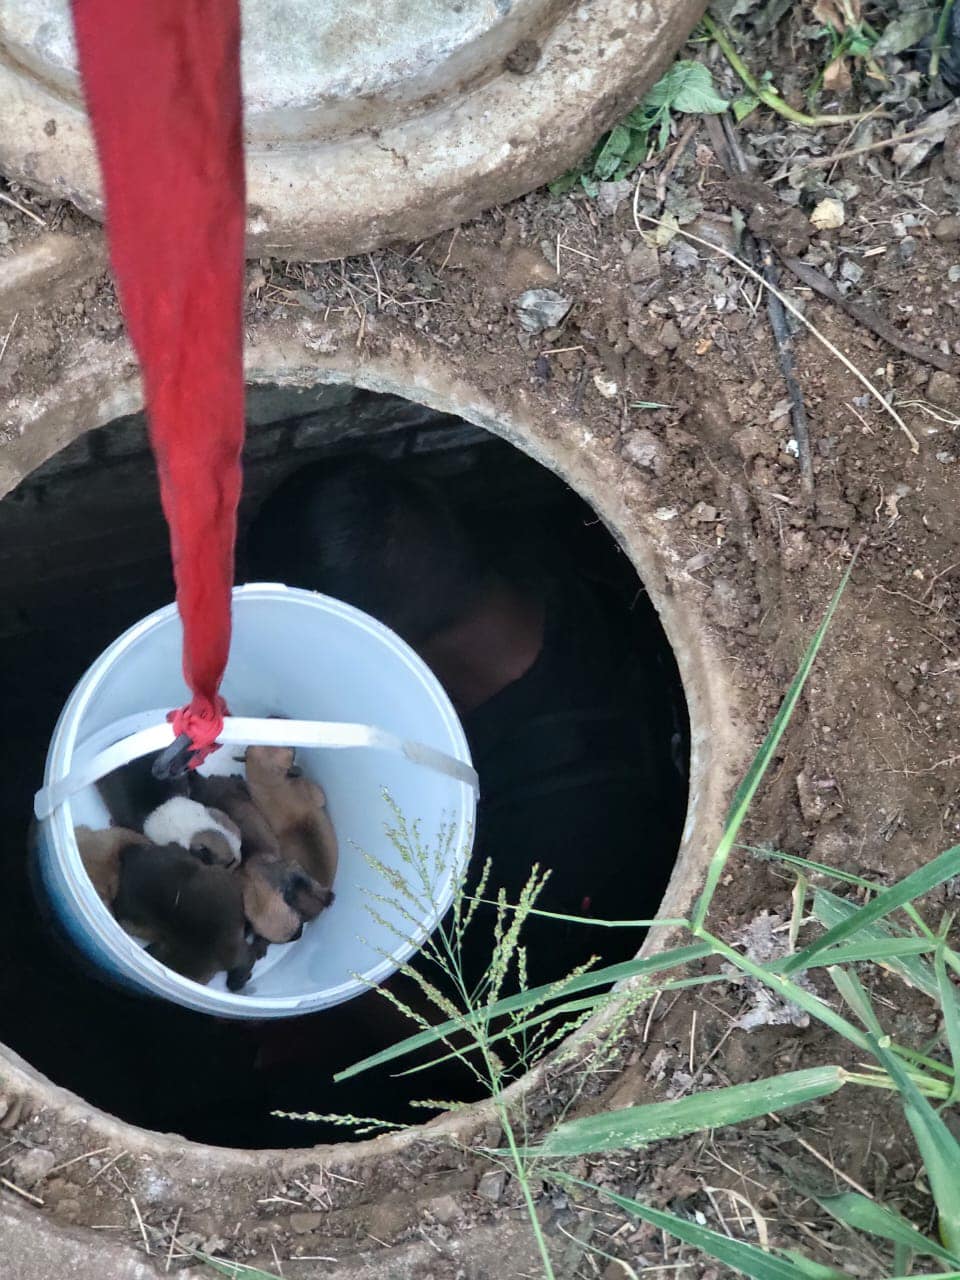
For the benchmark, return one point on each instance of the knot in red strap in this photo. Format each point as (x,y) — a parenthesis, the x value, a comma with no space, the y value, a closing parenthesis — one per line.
(202,722)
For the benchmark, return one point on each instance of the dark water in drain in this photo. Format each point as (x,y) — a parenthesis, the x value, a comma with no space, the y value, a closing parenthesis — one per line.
(149,1063)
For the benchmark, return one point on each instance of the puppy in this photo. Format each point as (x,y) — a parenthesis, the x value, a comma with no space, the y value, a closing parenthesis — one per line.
(132,793)
(208,834)
(230,795)
(296,809)
(100,854)
(278,895)
(191,914)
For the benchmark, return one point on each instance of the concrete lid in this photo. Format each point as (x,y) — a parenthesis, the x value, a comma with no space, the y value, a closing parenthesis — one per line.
(369,120)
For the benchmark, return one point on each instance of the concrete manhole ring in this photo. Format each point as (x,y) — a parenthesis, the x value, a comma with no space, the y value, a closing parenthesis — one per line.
(100,384)
(354,143)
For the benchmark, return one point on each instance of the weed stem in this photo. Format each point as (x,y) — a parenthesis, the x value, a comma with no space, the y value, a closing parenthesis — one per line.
(767,96)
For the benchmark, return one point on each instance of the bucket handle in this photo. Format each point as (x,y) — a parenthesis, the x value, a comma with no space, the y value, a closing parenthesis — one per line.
(249,731)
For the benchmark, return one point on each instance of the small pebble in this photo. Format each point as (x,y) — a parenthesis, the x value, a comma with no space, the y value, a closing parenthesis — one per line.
(539,309)
(948,228)
(303,1223)
(491,1185)
(828,215)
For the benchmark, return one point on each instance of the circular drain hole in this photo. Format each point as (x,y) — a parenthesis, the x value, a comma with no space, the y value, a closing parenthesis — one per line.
(85,555)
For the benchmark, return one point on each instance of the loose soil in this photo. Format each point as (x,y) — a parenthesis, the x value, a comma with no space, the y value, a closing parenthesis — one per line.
(866,780)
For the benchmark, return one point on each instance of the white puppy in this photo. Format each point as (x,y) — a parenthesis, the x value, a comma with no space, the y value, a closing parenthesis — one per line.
(208,833)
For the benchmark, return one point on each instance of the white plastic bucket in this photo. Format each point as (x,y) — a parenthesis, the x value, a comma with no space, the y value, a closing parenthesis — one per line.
(337,672)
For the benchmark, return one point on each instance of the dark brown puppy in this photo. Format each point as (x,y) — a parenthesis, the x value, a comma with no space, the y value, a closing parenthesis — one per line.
(296,809)
(190,913)
(100,854)
(132,793)
(278,895)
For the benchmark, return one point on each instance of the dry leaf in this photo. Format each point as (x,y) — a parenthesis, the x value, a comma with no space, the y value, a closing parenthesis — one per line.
(837,76)
(828,215)
(839,14)
(664,232)
(910,154)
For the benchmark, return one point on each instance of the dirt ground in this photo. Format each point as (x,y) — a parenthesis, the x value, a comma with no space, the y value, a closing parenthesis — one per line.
(867,778)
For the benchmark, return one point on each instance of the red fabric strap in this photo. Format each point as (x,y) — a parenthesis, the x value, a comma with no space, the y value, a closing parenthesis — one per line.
(162,83)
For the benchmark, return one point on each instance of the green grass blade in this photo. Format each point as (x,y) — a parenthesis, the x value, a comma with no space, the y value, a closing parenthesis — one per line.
(236,1270)
(749,1259)
(951,1017)
(853,993)
(593,978)
(875,952)
(938,1147)
(855,1210)
(814,1270)
(831,910)
(748,787)
(943,867)
(806,864)
(635,1126)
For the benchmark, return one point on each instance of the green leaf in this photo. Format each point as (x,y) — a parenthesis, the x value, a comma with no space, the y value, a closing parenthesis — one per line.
(611,153)
(635,154)
(761,761)
(814,1270)
(687,87)
(938,1147)
(831,910)
(236,1270)
(744,106)
(593,978)
(951,1017)
(913,886)
(747,1258)
(855,1210)
(635,1126)
(560,186)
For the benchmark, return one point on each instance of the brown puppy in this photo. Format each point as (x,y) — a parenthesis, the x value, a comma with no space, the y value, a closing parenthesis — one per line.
(230,795)
(190,913)
(100,854)
(278,895)
(296,809)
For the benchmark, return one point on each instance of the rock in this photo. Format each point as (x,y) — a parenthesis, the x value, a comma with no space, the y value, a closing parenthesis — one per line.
(611,195)
(703,513)
(30,1167)
(834,513)
(951,154)
(539,309)
(828,215)
(944,389)
(948,228)
(445,1209)
(607,386)
(491,1185)
(906,249)
(642,263)
(751,442)
(851,271)
(643,449)
(811,802)
(670,336)
(303,1223)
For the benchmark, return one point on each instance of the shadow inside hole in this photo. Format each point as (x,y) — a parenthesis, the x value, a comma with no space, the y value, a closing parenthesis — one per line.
(83,554)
